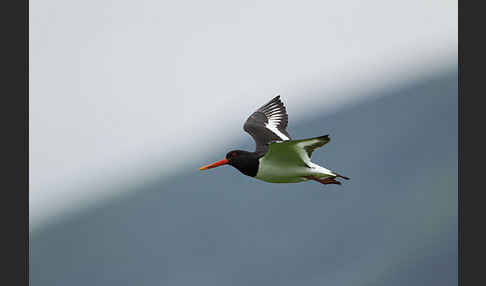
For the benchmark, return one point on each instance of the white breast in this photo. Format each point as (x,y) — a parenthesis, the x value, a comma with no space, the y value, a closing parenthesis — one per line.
(281,172)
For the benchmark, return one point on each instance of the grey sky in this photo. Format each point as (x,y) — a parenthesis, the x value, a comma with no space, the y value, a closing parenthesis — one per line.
(394,223)
(119,87)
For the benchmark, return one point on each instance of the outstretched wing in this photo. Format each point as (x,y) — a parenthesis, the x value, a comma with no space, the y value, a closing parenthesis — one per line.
(311,144)
(296,151)
(268,124)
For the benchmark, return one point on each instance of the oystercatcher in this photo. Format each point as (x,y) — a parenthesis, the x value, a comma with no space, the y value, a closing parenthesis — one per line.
(278,158)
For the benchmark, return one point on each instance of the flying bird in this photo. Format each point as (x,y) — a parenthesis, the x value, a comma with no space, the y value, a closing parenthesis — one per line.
(277,158)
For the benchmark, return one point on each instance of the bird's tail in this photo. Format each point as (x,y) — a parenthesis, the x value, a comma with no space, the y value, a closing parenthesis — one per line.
(340,176)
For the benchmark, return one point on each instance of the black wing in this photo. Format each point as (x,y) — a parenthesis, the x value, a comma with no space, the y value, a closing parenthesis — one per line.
(311,144)
(268,124)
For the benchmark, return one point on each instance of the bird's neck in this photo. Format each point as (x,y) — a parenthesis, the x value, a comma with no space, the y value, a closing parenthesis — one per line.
(248,164)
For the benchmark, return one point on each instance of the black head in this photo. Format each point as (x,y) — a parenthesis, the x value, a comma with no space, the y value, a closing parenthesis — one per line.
(246,162)
(236,154)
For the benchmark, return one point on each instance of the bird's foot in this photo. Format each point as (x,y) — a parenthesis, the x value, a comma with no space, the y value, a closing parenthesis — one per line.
(326,181)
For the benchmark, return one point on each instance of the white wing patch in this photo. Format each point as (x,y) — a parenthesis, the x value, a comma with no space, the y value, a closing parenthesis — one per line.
(274,120)
(301,146)
(277,132)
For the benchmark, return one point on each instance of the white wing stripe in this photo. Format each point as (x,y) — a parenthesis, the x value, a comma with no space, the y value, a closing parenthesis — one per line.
(277,132)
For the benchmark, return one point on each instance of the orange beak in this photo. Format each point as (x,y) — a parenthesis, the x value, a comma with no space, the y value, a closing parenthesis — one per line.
(215,164)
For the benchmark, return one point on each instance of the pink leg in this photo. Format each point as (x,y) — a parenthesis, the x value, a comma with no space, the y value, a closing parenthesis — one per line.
(326,181)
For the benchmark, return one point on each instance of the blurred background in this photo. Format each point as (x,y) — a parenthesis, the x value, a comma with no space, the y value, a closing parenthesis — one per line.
(129,98)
